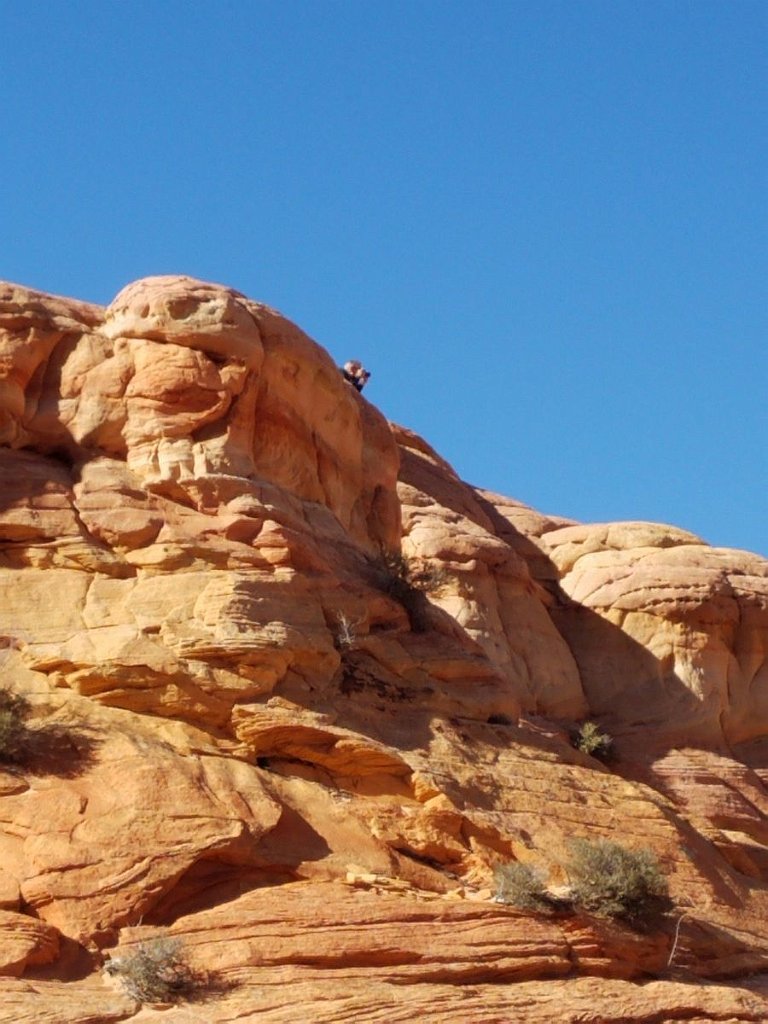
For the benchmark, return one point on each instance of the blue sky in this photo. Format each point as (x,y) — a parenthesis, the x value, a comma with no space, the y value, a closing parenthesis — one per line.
(542,225)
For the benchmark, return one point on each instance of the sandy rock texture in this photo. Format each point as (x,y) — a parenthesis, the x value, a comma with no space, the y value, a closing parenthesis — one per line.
(295,690)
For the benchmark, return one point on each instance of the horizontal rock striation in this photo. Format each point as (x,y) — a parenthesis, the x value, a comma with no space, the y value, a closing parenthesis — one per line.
(294,690)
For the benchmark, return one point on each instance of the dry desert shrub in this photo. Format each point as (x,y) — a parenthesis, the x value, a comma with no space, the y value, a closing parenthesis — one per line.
(156,971)
(520,886)
(406,581)
(13,712)
(612,881)
(345,635)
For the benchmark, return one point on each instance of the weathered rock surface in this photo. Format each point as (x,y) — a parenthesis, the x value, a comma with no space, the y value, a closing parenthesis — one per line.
(251,730)
(695,616)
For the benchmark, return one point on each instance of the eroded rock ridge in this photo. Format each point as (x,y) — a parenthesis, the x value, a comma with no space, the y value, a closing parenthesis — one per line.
(296,690)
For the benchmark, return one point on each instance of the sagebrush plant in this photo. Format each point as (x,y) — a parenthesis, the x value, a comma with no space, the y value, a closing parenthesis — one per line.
(520,886)
(612,881)
(13,712)
(156,971)
(589,740)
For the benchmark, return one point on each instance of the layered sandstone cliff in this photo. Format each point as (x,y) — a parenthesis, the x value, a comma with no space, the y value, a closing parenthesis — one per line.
(247,734)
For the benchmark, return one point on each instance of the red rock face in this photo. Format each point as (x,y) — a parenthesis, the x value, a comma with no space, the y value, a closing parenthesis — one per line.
(251,731)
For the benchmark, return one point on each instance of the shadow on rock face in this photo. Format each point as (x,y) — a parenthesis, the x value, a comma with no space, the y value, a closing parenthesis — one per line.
(52,749)
(626,686)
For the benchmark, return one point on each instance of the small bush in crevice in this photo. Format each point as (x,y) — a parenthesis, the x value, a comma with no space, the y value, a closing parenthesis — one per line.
(156,971)
(429,579)
(39,745)
(345,634)
(13,712)
(407,581)
(589,740)
(521,886)
(392,574)
(612,881)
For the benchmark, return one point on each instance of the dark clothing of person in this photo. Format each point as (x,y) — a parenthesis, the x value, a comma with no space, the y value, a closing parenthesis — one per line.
(356,374)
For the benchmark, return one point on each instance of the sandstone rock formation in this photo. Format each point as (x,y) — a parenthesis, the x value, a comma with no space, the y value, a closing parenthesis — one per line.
(296,690)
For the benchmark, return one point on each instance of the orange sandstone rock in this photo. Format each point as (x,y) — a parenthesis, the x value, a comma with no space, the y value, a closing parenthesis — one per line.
(249,731)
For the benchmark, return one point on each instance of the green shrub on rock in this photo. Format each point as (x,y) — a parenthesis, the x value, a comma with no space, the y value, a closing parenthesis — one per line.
(589,740)
(612,881)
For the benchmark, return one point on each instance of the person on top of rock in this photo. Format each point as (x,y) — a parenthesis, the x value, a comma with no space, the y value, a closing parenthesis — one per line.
(354,372)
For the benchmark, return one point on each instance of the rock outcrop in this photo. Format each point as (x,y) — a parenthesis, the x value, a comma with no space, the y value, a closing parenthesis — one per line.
(296,690)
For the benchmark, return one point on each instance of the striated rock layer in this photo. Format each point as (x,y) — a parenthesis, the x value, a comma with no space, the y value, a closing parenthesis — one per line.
(296,690)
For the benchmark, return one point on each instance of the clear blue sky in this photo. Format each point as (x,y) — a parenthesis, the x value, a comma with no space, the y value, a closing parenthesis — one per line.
(543,225)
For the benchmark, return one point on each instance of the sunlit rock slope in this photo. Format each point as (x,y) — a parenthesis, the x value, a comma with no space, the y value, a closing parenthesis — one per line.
(296,690)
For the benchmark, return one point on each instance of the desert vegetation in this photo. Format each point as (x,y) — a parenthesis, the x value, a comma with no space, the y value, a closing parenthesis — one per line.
(612,881)
(590,740)
(606,879)
(407,580)
(520,886)
(156,971)
(345,633)
(13,713)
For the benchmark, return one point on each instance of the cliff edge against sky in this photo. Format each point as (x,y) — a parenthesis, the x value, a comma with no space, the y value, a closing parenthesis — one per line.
(296,690)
